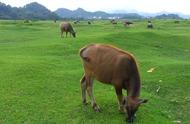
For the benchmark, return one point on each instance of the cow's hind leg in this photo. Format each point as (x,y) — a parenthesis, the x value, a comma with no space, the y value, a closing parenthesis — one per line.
(89,82)
(83,89)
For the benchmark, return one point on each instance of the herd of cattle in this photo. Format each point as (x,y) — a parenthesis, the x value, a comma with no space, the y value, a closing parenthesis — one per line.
(109,65)
(67,27)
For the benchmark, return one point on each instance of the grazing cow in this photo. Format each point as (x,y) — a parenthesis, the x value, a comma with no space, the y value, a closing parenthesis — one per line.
(176,21)
(67,27)
(76,22)
(113,21)
(26,21)
(114,66)
(126,23)
(150,25)
(89,22)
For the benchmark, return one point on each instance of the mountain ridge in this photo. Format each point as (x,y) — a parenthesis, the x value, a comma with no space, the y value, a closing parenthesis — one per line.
(81,13)
(35,10)
(32,10)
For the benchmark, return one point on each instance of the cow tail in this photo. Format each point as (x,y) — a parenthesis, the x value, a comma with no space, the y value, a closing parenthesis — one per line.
(87,59)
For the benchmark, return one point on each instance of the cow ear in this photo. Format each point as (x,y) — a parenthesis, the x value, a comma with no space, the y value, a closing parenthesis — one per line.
(141,101)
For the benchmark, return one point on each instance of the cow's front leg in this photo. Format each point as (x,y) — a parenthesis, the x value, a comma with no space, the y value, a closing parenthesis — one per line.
(66,33)
(89,82)
(118,90)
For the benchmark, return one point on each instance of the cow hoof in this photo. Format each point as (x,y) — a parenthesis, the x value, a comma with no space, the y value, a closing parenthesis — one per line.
(97,109)
(85,104)
(121,110)
(130,120)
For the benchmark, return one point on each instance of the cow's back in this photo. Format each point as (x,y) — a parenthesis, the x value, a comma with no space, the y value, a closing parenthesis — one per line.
(106,62)
(65,26)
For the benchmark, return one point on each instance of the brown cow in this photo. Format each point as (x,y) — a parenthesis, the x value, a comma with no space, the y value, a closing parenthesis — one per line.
(127,23)
(67,27)
(114,22)
(114,66)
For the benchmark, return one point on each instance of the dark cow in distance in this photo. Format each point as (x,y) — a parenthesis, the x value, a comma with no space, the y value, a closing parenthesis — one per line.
(149,25)
(76,22)
(113,21)
(176,21)
(89,22)
(114,66)
(67,27)
(127,23)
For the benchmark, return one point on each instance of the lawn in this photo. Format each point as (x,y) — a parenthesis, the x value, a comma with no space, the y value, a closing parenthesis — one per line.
(40,72)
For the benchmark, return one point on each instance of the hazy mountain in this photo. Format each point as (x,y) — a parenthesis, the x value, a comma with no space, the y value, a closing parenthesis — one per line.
(165,15)
(7,12)
(100,13)
(35,10)
(81,13)
(168,16)
(62,12)
(152,15)
(132,14)
(29,11)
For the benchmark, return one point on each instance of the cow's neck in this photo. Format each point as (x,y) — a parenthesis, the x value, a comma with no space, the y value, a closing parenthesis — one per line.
(72,31)
(134,87)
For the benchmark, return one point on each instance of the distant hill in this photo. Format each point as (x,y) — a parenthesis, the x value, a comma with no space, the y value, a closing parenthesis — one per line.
(7,12)
(62,12)
(29,11)
(168,16)
(36,11)
(81,13)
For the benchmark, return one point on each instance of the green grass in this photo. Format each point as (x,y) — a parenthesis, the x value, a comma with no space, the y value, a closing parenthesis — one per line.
(40,72)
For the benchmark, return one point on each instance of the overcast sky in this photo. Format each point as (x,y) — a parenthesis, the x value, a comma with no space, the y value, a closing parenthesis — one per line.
(150,6)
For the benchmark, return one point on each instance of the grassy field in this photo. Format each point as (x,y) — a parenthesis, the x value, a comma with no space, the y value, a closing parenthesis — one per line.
(40,72)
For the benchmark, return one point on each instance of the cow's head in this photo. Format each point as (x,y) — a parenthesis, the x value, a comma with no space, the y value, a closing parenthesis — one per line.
(74,34)
(131,106)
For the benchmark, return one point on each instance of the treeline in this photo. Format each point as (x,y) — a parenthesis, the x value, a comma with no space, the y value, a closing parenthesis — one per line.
(35,11)
(81,13)
(30,11)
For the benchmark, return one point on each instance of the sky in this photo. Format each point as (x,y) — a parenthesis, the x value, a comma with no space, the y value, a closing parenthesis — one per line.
(150,6)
